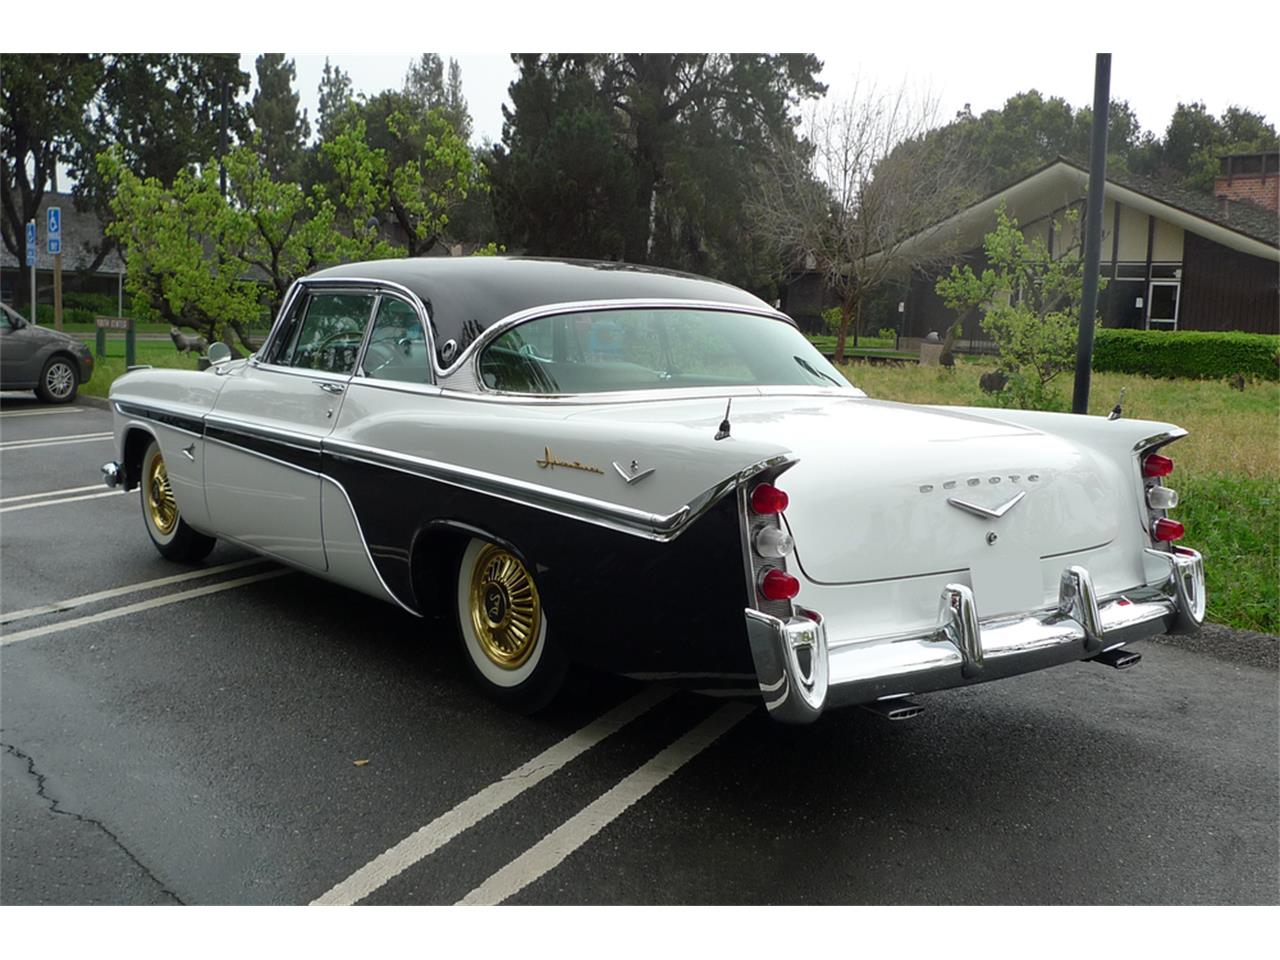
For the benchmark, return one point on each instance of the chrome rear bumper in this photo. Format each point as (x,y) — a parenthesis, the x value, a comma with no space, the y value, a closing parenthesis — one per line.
(800,672)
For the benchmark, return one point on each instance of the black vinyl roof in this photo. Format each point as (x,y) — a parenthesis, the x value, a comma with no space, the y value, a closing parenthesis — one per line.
(466,295)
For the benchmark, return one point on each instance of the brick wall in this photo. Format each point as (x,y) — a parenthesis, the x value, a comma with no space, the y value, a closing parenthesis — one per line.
(1252,187)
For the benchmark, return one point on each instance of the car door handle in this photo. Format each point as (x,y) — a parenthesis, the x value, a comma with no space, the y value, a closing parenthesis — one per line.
(328,387)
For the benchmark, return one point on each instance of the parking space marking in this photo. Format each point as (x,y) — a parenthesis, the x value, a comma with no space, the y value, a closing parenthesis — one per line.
(133,608)
(50,493)
(87,598)
(42,413)
(54,441)
(548,852)
(426,840)
(50,503)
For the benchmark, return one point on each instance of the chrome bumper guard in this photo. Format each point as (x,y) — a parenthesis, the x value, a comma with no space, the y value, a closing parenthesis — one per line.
(800,674)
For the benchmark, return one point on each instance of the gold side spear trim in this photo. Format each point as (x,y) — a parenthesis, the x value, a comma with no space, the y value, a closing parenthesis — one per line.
(550,461)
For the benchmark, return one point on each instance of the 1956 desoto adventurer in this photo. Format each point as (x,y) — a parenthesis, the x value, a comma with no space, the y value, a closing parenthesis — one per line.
(656,474)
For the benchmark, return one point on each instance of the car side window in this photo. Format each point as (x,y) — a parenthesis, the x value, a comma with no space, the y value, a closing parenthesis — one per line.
(397,345)
(325,333)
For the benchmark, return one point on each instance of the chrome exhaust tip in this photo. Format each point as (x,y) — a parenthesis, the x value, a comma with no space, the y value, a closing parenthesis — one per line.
(1120,658)
(896,709)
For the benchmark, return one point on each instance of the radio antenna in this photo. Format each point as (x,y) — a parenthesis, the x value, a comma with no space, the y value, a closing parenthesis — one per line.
(724,424)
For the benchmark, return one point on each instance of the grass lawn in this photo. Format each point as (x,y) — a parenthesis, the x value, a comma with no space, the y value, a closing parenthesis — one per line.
(156,353)
(1228,469)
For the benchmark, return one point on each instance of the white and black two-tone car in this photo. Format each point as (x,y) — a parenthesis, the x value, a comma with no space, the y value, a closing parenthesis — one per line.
(655,474)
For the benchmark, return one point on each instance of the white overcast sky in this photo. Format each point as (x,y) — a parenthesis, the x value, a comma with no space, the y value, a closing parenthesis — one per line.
(979,53)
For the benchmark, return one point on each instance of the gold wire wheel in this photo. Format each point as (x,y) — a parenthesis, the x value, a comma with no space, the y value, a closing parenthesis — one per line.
(505,609)
(159,493)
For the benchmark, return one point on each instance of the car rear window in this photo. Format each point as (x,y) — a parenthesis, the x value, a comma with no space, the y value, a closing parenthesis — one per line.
(643,349)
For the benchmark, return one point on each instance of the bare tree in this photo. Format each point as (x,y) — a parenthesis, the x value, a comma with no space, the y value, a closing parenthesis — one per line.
(845,199)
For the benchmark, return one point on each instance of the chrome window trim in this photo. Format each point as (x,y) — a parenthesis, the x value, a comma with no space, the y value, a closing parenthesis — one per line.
(361,285)
(651,396)
(369,283)
(359,373)
(472,352)
(398,386)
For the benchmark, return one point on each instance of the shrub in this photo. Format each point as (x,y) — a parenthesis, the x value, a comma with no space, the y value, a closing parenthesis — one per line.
(1187,353)
(888,333)
(44,314)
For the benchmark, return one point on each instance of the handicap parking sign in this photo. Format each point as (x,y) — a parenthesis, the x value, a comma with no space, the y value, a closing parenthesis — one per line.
(31,244)
(54,230)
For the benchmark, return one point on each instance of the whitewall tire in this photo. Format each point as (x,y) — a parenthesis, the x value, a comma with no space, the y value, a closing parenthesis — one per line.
(173,537)
(504,629)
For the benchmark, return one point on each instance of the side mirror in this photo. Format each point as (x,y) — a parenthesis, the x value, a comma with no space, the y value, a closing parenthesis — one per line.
(219,353)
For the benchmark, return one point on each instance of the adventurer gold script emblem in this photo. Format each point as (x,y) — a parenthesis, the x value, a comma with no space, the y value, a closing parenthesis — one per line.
(550,461)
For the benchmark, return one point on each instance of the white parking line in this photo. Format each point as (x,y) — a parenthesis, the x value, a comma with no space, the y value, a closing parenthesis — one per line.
(50,503)
(50,493)
(54,441)
(132,608)
(548,852)
(41,413)
(426,840)
(87,598)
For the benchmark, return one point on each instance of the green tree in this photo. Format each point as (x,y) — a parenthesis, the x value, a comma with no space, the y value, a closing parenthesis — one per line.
(43,102)
(221,265)
(845,202)
(563,179)
(1030,303)
(426,85)
(280,131)
(335,98)
(394,162)
(162,113)
(672,119)
(1196,139)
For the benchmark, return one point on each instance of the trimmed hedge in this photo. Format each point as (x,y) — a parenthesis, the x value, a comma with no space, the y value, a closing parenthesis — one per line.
(1187,353)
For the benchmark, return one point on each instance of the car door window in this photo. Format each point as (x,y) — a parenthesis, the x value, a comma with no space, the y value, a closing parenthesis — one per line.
(325,333)
(397,345)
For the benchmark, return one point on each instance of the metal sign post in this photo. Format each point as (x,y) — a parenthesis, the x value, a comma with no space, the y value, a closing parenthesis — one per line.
(1092,231)
(53,231)
(31,262)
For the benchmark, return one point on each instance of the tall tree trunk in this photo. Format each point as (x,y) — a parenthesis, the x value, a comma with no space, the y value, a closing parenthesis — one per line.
(846,312)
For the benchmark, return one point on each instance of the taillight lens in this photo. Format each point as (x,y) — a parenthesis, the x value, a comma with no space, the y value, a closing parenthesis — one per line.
(767,499)
(778,585)
(1162,498)
(1155,465)
(773,542)
(1165,530)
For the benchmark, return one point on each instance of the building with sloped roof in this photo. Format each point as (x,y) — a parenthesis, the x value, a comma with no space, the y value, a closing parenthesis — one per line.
(1174,259)
(81,240)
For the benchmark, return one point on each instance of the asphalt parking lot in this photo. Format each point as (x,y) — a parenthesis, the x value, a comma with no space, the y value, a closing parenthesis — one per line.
(234,733)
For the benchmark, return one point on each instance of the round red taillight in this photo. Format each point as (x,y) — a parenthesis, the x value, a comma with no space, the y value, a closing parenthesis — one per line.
(1155,465)
(768,499)
(1165,530)
(778,585)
